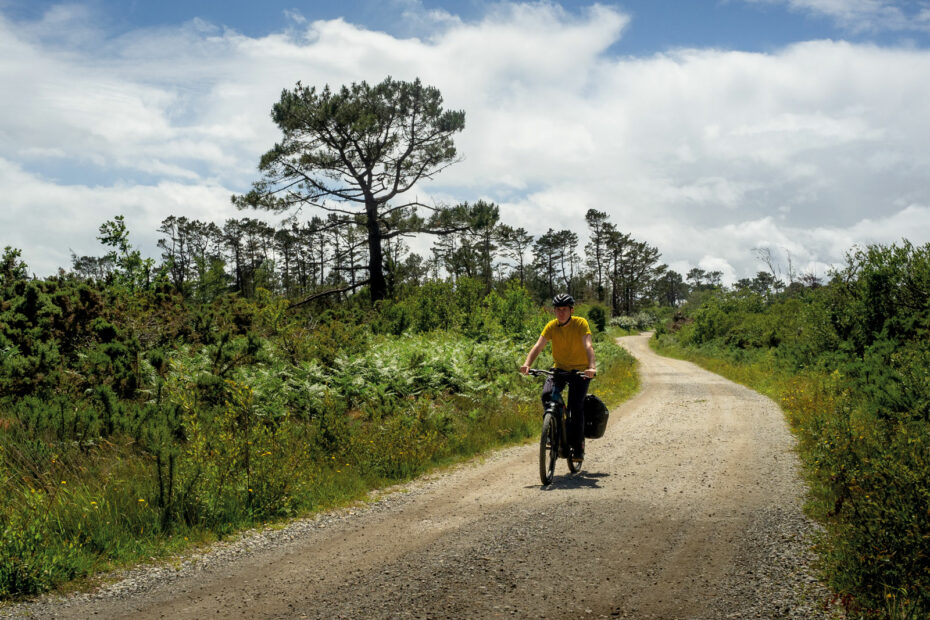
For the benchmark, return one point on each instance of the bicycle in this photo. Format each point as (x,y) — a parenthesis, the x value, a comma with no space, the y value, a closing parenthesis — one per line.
(553,441)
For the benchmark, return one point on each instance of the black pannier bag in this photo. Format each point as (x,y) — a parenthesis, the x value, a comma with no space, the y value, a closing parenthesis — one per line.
(595,417)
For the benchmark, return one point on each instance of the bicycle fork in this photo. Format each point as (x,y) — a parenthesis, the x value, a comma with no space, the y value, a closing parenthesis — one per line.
(557,409)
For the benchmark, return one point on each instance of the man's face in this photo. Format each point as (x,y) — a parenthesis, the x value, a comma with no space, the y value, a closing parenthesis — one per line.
(563,313)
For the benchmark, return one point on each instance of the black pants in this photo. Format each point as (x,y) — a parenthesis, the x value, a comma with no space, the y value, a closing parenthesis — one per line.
(577,390)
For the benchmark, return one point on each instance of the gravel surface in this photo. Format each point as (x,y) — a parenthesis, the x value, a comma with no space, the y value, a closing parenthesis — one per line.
(689,507)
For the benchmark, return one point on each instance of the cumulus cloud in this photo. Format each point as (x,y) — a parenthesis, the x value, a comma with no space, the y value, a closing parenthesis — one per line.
(704,153)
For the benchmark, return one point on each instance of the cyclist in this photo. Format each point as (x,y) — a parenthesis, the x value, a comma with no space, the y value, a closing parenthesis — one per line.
(572,349)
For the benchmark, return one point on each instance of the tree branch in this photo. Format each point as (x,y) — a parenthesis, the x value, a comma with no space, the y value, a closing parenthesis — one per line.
(333,291)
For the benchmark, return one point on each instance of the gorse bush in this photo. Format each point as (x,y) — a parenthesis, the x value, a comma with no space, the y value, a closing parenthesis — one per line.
(850,363)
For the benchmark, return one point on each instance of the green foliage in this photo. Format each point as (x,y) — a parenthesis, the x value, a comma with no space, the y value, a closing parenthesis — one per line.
(462,306)
(42,326)
(514,311)
(28,563)
(12,269)
(849,362)
(598,316)
(133,272)
(432,306)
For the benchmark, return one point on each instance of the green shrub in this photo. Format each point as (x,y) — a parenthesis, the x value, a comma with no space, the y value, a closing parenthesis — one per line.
(598,316)
(331,339)
(639,322)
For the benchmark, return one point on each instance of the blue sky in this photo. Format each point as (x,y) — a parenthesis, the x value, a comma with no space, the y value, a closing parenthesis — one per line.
(657,25)
(708,128)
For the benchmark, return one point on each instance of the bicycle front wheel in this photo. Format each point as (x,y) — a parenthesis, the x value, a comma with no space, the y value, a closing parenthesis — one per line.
(574,465)
(548,448)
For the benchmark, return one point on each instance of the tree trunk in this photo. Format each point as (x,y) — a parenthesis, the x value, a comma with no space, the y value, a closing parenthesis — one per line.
(378,284)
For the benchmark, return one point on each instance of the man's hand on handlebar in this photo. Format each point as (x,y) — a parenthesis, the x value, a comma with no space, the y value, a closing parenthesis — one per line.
(586,374)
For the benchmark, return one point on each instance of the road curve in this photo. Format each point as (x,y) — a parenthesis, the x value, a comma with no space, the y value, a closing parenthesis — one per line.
(689,507)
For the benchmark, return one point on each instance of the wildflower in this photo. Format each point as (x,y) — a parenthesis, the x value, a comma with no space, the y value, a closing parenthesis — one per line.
(64,482)
(141,500)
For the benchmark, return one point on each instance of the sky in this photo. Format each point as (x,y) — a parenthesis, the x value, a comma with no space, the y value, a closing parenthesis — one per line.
(708,128)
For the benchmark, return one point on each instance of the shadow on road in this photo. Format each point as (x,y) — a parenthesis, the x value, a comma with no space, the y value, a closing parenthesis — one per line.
(581,480)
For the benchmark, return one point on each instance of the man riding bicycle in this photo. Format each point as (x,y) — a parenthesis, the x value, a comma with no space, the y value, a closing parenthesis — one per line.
(572,349)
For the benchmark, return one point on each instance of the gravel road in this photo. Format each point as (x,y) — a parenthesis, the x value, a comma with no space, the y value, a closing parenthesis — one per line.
(689,507)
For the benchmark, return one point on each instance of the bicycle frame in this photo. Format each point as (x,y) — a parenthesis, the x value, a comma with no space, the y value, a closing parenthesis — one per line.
(554,438)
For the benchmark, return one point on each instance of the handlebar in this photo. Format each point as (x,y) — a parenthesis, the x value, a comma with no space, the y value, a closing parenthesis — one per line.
(536,372)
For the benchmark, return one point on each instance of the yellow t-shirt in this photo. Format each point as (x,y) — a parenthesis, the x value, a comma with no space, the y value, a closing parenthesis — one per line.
(568,343)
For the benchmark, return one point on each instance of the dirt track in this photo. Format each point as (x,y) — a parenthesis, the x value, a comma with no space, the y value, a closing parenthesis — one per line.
(689,507)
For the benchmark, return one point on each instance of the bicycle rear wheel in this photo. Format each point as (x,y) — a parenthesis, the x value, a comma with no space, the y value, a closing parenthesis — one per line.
(548,448)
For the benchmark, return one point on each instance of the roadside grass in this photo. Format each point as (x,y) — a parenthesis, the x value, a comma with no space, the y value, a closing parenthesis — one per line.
(763,378)
(615,332)
(73,510)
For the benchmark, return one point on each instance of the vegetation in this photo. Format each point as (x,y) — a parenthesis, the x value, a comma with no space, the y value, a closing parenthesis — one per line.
(850,364)
(160,406)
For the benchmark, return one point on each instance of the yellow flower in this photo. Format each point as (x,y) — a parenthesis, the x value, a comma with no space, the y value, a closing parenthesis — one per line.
(64,482)
(141,501)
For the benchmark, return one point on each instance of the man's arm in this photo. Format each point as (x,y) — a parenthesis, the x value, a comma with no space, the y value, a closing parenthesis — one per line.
(589,349)
(534,352)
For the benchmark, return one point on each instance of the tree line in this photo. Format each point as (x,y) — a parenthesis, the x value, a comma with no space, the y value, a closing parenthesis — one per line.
(202,260)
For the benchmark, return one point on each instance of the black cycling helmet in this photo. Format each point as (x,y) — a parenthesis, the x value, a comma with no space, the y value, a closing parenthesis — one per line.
(563,299)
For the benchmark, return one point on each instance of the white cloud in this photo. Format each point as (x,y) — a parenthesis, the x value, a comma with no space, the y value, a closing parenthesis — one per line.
(864,15)
(295,16)
(418,20)
(703,153)
(48,221)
